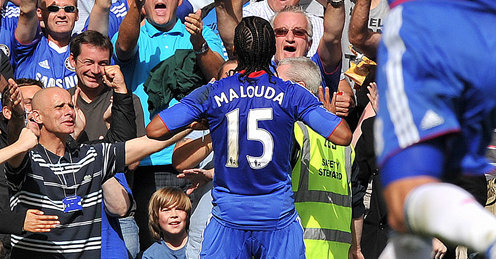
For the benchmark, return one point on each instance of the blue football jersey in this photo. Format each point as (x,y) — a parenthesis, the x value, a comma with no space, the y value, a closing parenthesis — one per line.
(8,23)
(251,125)
(44,61)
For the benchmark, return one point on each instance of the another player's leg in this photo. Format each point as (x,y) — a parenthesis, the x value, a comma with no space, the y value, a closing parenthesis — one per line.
(421,204)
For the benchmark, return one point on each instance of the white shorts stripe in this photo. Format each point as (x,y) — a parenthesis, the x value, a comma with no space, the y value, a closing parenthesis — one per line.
(397,101)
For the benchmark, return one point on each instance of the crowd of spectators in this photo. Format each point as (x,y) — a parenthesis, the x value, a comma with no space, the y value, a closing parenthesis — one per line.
(87,76)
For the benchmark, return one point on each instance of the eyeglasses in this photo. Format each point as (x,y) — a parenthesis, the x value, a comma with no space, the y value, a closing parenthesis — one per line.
(297,32)
(67,9)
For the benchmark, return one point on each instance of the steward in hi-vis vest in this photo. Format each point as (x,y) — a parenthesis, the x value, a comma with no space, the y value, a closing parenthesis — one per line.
(322,186)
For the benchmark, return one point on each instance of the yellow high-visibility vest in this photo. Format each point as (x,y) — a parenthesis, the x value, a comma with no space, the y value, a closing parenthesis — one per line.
(322,187)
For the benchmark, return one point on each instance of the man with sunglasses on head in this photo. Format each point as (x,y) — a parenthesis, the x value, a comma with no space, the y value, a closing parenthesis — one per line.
(294,38)
(44,53)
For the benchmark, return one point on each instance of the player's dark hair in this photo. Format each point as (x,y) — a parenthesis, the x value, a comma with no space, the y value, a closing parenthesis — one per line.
(254,45)
(93,38)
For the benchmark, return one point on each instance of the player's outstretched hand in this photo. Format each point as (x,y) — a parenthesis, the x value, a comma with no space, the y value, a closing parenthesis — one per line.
(36,221)
(197,177)
(325,98)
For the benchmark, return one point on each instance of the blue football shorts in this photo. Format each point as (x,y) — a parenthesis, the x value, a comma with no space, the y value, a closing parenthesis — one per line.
(220,241)
(436,77)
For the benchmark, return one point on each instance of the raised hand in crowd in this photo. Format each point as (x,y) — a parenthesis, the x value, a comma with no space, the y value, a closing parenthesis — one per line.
(198,177)
(194,26)
(359,34)
(373,96)
(36,221)
(107,115)
(80,123)
(100,16)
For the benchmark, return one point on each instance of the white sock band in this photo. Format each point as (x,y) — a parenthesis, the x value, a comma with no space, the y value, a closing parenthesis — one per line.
(449,212)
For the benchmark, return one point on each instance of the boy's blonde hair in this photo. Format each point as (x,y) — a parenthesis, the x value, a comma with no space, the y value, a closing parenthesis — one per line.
(165,198)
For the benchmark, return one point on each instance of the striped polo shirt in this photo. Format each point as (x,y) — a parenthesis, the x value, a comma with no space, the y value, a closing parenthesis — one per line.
(44,179)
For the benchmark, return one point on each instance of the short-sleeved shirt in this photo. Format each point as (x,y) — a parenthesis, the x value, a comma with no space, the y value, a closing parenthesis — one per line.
(9,17)
(43,181)
(44,61)
(160,250)
(251,126)
(153,47)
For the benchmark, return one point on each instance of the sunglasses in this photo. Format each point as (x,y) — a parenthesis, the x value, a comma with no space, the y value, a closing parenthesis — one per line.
(297,32)
(67,9)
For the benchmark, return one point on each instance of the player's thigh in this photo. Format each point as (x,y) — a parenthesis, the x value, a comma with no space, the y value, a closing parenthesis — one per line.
(220,241)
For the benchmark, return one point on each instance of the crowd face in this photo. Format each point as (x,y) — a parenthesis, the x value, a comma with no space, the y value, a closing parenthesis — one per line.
(291,31)
(90,66)
(56,111)
(161,13)
(278,5)
(59,16)
(172,220)
(28,92)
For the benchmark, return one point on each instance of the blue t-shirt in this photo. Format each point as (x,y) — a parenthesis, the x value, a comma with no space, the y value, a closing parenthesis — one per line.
(251,126)
(8,23)
(159,250)
(44,61)
(153,47)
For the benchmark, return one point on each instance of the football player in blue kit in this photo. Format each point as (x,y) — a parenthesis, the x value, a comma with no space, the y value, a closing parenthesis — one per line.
(251,116)
(436,115)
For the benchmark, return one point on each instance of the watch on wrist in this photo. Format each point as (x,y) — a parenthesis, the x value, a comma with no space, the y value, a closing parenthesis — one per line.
(203,49)
(336,3)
